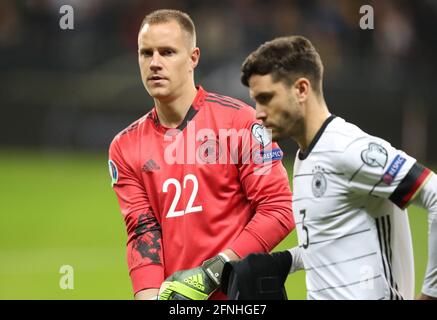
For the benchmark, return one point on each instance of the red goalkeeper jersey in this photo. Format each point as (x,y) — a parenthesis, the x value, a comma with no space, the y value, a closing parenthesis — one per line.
(187,194)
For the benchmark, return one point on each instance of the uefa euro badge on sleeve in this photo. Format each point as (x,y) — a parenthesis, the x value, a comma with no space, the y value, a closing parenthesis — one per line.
(113,172)
(261,134)
(375,155)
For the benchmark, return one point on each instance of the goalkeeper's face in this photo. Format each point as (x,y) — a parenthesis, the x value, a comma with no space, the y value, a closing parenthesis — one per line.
(276,106)
(167,58)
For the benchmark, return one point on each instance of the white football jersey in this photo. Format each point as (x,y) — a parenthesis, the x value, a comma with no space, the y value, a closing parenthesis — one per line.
(349,194)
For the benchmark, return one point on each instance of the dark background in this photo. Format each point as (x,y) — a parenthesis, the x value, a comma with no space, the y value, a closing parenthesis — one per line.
(64,94)
(75,89)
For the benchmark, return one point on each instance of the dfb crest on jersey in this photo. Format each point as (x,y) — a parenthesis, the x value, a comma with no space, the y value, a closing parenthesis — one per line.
(319,183)
(209,151)
(375,155)
(261,134)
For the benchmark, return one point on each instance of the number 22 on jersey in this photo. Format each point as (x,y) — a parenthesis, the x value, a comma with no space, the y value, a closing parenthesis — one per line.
(189,209)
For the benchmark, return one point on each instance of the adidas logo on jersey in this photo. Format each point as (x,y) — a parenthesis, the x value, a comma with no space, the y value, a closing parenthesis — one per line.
(195,281)
(149,166)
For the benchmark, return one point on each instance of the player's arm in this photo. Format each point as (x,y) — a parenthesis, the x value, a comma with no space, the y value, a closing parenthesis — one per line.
(427,198)
(147,294)
(380,170)
(265,183)
(296,260)
(270,196)
(144,253)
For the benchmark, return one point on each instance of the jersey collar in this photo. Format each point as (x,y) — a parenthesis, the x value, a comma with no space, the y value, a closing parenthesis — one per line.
(191,113)
(306,153)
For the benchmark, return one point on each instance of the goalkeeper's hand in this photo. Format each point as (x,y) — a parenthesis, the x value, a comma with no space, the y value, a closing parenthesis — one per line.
(194,284)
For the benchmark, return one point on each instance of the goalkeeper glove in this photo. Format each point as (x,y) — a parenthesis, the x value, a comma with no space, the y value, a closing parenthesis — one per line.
(194,284)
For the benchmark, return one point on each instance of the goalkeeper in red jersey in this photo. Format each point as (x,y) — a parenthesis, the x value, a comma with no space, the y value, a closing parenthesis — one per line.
(198,179)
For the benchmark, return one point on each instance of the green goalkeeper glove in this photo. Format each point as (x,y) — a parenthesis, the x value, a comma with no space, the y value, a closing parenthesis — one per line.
(194,284)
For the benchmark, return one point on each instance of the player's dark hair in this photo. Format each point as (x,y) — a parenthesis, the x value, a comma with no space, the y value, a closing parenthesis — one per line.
(286,59)
(166,15)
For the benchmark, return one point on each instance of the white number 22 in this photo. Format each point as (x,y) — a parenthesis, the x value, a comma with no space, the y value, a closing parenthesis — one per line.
(189,209)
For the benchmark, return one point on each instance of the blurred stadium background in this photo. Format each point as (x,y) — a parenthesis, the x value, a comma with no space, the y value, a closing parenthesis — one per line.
(64,94)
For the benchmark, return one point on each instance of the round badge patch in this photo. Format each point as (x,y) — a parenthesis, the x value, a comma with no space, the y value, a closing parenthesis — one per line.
(113,172)
(261,135)
(375,155)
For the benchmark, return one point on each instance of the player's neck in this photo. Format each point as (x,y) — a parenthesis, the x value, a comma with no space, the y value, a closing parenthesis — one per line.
(315,116)
(172,112)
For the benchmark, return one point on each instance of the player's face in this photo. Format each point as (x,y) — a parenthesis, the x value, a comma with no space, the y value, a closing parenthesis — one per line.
(167,59)
(276,106)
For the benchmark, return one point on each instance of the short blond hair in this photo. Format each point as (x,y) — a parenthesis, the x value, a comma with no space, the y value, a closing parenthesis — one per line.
(166,15)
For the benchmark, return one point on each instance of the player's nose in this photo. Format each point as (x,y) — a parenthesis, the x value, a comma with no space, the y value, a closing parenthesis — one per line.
(155,62)
(260,114)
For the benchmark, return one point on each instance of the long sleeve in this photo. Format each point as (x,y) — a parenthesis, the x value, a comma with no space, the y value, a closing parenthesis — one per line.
(427,198)
(266,185)
(144,244)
